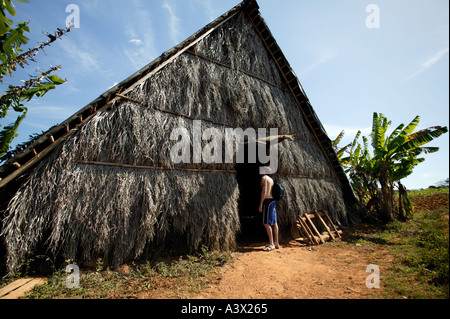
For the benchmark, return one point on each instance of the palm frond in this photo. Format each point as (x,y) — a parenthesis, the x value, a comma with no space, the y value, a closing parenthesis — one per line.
(403,136)
(422,137)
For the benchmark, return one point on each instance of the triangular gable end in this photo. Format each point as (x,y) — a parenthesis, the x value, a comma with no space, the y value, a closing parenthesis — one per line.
(49,140)
(231,73)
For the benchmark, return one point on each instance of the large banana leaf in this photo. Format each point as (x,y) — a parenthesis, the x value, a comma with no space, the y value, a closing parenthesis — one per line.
(401,170)
(379,127)
(396,132)
(429,150)
(348,160)
(338,139)
(355,141)
(402,136)
(341,152)
(422,137)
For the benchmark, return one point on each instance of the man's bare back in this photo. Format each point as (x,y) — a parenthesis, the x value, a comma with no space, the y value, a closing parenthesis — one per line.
(266,186)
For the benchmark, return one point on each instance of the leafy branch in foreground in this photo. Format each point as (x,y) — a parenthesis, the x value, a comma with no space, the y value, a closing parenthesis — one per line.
(35,86)
(9,133)
(10,60)
(13,56)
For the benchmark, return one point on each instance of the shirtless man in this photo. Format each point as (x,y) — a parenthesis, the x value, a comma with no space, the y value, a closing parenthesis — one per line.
(267,208)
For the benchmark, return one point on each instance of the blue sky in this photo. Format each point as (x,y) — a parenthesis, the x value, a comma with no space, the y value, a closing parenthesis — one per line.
(348,71)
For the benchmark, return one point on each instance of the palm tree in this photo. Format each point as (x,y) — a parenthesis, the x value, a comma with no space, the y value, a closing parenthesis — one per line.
(359,166)
(394,158)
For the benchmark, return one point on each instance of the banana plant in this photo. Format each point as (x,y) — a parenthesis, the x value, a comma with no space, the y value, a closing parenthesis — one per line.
(394,158)
(335,143)
(359,166)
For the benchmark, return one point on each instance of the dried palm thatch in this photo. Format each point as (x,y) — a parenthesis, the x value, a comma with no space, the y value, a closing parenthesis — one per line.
(114,212)
(78,206)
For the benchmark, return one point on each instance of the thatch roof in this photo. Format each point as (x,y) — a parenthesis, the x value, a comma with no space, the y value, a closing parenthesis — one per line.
(102,182)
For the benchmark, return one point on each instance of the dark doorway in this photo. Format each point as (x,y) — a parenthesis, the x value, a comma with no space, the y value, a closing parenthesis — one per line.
(248,178)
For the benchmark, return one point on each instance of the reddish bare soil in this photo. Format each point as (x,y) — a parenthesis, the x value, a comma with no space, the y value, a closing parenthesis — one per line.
(336,271)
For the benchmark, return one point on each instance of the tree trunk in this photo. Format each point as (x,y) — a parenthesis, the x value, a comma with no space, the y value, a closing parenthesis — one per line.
(386,199)
(401,209)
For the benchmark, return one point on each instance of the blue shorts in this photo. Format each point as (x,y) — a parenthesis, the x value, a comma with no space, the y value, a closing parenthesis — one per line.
(269,212)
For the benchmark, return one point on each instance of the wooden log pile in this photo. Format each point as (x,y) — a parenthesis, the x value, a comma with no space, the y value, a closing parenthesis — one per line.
(306,231)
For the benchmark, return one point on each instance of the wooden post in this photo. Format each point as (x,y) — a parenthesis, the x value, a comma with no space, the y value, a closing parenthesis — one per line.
(311,236)
(324,224)
(311,232)
(302,230)
(305,231)
(315,229)
(295,231)
(331,222)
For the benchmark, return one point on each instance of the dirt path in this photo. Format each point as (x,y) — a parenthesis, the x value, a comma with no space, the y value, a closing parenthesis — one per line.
(336,271)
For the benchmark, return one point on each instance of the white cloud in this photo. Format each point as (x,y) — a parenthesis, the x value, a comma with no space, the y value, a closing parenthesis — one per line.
(141,34)
(174,22)
(324,57)
(110,87)
(434,59)
(428,63)
(138,42)
(85,61)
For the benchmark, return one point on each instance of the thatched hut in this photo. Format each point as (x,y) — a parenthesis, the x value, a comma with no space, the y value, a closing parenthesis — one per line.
(103,185)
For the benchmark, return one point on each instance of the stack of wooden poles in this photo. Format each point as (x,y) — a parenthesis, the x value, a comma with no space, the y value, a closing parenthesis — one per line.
(306,231)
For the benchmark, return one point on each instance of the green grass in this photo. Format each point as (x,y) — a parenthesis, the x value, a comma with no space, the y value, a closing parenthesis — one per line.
(429,191)
(167,278)
(423,259)
(420,247)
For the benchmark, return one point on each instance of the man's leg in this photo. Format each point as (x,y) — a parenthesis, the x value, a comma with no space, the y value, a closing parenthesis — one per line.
(269,234)
(275,236)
